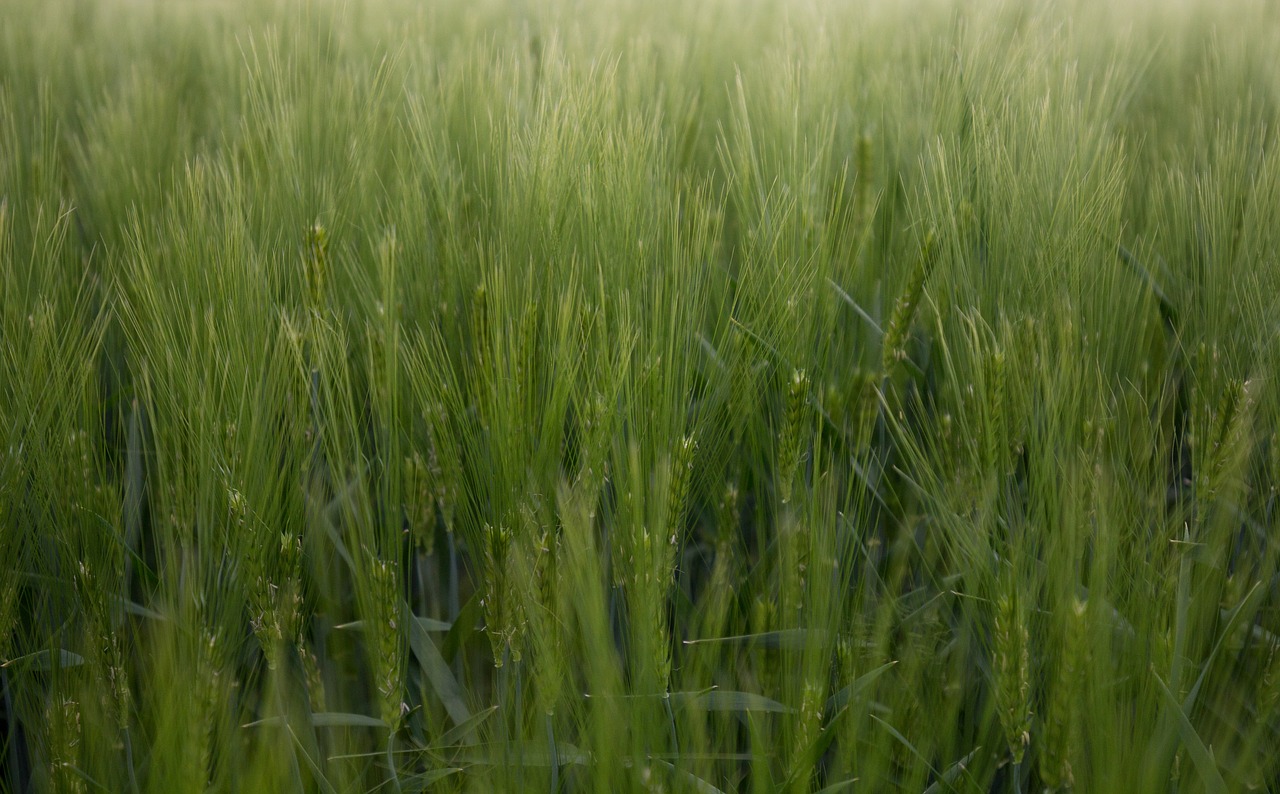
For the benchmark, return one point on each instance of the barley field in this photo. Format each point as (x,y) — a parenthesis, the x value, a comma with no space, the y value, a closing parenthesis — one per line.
(566,396)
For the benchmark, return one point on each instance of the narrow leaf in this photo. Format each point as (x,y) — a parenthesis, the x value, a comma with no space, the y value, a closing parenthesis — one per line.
(43,660)
(438,673)
(695,783)
(1200,755)
(953,772)
(720,700)
(425,780)
(788,639)
(323,719)
(458,733)
(859,685)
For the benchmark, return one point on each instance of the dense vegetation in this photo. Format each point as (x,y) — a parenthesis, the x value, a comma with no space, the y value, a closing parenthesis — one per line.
(686,396)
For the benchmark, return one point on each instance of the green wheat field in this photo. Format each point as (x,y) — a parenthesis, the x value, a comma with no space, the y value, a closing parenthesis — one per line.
(665,396)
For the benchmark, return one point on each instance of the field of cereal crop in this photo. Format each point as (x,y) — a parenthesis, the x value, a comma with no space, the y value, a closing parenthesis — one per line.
(547,395)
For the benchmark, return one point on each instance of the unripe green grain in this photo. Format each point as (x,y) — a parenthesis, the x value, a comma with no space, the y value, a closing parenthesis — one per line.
(808,725)
(1011,668)
(419,497)
(64,733)
(894,343)
(502,617)
(117,677)
(107,653)
(207,699)
(678,487)
(313,677)
(719,598)
(1061,721)
(289,594)
(388,661)
(1227,441)
(867,406)
(273,571)
(315,262)
(652,565)
(443,466)
(728,517)
(545,620)
(793,428)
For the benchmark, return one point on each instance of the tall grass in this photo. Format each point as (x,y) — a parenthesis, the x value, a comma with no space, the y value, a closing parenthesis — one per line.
(552,396)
